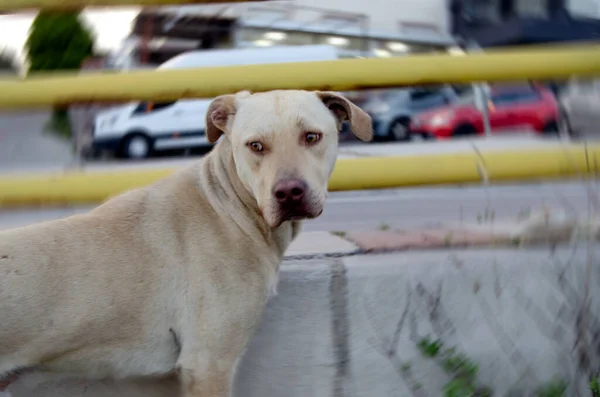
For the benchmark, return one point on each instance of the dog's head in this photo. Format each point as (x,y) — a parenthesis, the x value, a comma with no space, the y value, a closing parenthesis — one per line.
(284,145)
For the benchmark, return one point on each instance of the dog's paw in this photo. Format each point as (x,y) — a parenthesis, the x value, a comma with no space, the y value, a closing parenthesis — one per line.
(272,294)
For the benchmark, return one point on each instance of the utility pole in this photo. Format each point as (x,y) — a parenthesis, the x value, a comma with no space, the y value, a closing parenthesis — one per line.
(145,39)
(481,93)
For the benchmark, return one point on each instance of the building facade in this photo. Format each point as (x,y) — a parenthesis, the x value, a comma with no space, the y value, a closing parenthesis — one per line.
(378,28)
(513,22)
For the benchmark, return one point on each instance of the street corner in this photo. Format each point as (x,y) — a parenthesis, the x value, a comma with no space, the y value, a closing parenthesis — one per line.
(316,244)
(422,239)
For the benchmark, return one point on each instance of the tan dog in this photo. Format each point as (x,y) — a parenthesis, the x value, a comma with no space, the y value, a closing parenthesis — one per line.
(173,277)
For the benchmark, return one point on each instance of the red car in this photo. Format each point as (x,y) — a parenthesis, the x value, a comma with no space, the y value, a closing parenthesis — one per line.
(522,108)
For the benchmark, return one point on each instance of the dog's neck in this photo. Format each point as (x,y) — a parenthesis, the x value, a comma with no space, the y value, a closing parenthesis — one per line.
(231,198)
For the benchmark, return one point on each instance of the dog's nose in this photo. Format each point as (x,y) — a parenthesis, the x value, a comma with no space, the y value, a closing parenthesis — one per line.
(289,191)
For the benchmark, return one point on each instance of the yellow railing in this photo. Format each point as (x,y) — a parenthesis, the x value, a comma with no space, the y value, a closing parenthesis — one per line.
(538,63)
(507,64)
(16,5)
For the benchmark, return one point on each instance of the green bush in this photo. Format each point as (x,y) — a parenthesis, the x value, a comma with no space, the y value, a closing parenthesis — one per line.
(58,40)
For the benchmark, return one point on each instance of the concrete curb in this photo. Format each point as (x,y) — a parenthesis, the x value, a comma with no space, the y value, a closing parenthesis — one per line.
(570,160)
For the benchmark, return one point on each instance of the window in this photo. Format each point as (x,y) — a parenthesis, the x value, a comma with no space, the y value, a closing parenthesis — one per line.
(151,107)
(510,97)
(423,93)
(425,98)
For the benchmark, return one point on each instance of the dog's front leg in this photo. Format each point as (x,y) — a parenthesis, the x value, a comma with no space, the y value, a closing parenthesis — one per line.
(207,370)
(206,380)
(212,343)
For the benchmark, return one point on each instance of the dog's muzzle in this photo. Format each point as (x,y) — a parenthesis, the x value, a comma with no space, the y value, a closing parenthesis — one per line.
(293,202)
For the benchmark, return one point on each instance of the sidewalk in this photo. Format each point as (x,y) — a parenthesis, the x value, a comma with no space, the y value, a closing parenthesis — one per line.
(545,226)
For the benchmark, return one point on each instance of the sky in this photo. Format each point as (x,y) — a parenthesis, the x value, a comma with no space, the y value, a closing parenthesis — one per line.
(110,28)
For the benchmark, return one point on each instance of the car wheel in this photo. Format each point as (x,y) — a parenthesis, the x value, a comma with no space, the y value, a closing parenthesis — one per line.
(551,128)
(136,146)
(464,130)
(399,130)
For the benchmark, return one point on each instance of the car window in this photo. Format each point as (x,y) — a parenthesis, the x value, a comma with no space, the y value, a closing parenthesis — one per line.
(427,98)
(513,97)
(423,93)
(146,107)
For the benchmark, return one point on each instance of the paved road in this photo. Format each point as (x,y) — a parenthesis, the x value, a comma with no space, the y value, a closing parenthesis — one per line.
(406,208)
(25,145)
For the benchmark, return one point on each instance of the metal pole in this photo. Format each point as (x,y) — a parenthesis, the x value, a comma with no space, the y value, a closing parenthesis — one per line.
(481,93)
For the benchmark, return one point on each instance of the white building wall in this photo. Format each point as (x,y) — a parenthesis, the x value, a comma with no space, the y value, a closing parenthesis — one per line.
(584,8)
(387,17)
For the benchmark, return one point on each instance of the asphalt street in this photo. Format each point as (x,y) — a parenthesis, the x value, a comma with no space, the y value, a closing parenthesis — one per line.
(407,208)
(24,143)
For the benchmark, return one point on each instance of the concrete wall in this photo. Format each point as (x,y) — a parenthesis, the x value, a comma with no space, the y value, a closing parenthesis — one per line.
(350,327)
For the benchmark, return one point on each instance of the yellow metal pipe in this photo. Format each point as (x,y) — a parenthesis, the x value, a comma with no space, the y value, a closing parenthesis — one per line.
(538,63)
(349,174)
(16,5)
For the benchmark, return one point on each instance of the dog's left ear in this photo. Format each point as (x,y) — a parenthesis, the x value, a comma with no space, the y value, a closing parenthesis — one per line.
(220,113)
(343,109)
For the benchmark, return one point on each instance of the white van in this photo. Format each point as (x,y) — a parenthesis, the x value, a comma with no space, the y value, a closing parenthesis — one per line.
(139,128)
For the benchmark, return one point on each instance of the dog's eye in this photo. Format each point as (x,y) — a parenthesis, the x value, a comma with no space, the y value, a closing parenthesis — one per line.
(312,137)
(256,146)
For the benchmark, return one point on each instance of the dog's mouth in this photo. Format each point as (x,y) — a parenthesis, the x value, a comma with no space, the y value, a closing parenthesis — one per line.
(297,213)
(301,215)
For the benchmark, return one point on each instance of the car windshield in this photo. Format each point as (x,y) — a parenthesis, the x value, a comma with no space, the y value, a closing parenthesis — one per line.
(389,95)
(466,100)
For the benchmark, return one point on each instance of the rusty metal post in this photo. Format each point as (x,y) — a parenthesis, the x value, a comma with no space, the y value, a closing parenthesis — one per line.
(145,40)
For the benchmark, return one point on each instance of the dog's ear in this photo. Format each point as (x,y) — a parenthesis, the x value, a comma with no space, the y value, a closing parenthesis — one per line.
(343,109)
(220,113)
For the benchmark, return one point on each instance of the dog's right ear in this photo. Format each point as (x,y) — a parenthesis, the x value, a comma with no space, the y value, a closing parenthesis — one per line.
(220,114)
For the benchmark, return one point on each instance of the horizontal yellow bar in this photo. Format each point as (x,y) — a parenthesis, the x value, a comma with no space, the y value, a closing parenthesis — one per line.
(16,5)
(573,161)
(570,161)
(538,63)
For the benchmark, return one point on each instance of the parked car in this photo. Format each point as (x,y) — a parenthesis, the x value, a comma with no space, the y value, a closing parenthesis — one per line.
(516,108)
(580,106)
(392,111)
(136,129)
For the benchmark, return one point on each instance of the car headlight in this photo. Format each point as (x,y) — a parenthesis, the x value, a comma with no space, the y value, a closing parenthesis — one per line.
(441,119)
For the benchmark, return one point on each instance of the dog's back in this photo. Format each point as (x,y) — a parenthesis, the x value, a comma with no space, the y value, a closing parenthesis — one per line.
(66,294)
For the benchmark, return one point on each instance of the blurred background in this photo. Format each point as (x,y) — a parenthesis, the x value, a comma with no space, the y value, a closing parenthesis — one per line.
(236,34)
(456,290)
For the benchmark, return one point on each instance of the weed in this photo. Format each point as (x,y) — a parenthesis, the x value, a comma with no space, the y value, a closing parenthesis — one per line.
(554,388)
(462,370)
(384,227)
(339,233)
(458,388)
(428,347)
(595,386)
